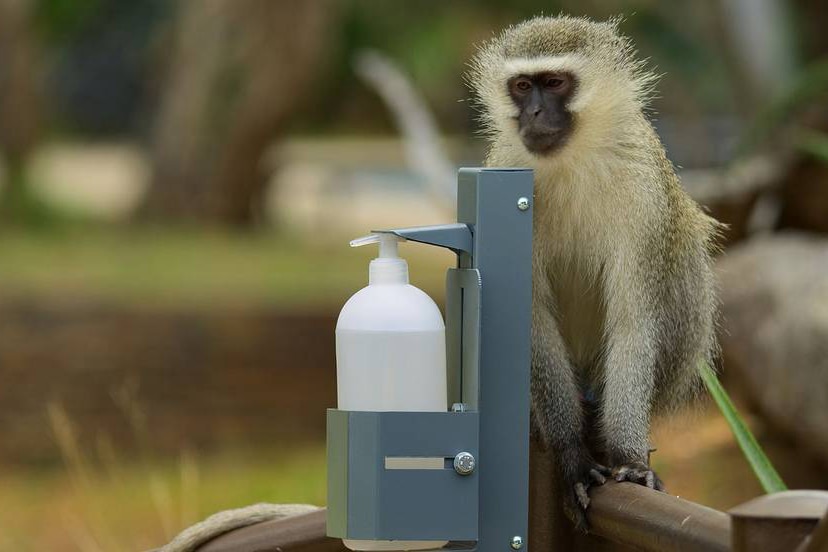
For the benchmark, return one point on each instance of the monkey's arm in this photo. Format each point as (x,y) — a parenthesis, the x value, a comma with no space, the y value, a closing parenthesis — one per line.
(629,371)
(557,415)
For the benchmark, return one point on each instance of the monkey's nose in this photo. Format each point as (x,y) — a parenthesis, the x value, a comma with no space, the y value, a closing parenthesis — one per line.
(537,110)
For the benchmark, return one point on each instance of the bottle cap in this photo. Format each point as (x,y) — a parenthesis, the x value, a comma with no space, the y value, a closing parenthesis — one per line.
(388,268)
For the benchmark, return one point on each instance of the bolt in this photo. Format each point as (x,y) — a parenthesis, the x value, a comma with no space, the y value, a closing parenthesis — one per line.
(464,463)
(523,203)
(517,542)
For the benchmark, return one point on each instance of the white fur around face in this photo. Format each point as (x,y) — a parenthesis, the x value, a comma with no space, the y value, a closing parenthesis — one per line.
(571,63)
(603,104)
(502,110)
(601,100)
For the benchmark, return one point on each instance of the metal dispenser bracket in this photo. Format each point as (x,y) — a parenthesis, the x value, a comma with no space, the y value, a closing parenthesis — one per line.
(460,475)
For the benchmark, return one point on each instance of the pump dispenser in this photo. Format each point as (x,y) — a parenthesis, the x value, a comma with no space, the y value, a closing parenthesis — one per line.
(388,268)
(390,352)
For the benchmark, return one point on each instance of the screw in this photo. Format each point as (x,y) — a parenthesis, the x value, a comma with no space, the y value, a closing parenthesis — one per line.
(517,542)
(464,463)
(523,203)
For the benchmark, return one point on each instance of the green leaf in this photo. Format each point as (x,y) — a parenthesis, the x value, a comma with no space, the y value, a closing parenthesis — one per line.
(814,143)
(759,462)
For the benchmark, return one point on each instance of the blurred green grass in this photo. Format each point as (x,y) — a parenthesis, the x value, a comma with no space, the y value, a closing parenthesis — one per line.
(131,505)
(194,267)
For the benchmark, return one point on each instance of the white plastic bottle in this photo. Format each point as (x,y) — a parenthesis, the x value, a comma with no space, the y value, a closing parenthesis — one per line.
(390,353)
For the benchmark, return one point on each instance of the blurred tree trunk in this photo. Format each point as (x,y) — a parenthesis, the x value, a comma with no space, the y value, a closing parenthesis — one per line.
(239,69)
(19,106)
(760,49)
(813,17)
(804,190)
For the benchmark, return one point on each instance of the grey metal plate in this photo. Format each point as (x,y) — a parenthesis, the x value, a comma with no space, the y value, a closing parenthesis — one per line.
(394,504)
(487,200)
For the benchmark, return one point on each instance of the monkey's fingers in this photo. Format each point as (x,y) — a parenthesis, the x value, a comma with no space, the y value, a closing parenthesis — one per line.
(575,512)
(581,494)
(659,485)
(652,481)
(634,471)
(597,476)
(638,472)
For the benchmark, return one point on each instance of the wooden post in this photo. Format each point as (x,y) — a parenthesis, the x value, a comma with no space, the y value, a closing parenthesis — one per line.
(778,522)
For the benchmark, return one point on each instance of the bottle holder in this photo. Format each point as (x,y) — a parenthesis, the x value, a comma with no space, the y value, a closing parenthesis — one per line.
(391,475)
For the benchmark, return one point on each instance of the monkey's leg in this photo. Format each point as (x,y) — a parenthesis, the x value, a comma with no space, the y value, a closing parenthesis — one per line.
(557,416)
(629,378)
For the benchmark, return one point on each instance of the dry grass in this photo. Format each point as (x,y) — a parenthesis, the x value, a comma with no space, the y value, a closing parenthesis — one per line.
(136,507)
(104,500)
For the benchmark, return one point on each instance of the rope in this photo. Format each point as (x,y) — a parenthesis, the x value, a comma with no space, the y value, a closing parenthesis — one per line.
(222,522)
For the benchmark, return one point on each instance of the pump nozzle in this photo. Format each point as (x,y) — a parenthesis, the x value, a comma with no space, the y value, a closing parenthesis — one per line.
(388,267)
(387,240)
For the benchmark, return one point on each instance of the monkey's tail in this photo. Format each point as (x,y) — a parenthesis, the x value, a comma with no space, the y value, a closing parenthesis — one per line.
(217,524)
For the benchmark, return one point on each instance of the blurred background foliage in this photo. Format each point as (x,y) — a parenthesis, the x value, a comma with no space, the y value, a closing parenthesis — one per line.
(178,182)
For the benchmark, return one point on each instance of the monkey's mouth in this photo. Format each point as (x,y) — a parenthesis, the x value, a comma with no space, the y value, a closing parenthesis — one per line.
(543,141)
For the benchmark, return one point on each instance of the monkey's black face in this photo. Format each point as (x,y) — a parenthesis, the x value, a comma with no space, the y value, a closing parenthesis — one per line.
(544,122)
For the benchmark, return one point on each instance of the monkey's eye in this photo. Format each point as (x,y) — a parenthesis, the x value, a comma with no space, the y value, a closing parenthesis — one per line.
(523,85)
(554,83)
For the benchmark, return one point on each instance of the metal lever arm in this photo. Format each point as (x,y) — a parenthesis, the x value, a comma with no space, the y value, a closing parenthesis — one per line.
(457,237)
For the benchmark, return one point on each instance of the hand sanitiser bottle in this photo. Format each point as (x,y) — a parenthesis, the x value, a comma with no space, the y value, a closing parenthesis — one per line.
(390,353)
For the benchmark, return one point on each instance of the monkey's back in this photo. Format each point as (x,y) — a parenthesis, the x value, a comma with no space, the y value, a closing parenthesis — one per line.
(687,290)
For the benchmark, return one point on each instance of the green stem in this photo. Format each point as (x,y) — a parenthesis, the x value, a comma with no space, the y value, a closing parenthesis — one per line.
(759,462)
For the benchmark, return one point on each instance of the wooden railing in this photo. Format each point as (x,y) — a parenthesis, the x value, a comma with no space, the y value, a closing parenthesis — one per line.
(622,516)
(637,517)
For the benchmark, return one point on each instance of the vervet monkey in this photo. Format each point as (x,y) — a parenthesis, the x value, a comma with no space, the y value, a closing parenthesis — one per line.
(624,302)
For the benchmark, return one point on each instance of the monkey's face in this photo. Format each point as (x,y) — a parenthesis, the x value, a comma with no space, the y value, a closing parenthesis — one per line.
(553,90)
(543,118)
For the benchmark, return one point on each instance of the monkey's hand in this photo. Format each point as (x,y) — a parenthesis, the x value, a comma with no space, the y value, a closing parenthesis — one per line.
(638,472)
(578,477)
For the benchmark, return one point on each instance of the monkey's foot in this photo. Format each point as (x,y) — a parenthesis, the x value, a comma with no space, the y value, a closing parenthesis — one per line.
(576,501)
(638,472)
